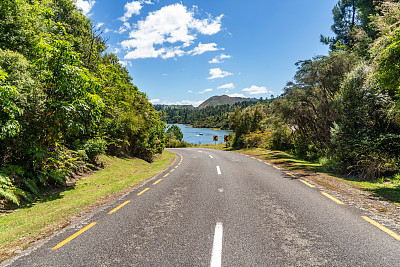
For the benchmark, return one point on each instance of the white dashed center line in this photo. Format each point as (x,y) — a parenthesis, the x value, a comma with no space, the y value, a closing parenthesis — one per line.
(218,170)
(211,156)
(216,256)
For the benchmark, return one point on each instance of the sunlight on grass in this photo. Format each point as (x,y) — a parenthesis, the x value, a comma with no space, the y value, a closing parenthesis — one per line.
(38,220)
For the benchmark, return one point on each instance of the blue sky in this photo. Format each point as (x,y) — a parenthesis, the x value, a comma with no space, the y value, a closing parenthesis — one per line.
(183,52)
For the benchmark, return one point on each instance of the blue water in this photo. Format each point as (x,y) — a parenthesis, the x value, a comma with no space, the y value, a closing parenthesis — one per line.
(192,135)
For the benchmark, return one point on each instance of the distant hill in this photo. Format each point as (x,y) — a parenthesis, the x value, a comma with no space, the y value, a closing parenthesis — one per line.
(223,100)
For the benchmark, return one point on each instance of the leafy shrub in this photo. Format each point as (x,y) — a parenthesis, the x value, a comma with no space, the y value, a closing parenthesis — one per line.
(94,147)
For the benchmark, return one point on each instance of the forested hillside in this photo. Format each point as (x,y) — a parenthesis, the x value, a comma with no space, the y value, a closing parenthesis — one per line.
(342,109)
(207,117)
(63,99)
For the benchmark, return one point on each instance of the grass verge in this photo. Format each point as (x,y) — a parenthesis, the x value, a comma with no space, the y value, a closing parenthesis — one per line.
(20,228)
(387,190)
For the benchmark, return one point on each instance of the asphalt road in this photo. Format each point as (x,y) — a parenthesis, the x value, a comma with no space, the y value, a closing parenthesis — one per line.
(216,208)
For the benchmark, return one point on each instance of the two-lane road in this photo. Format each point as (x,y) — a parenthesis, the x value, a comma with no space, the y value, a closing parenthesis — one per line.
(216,208)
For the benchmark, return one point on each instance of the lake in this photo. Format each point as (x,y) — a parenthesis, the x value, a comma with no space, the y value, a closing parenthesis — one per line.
(201,136)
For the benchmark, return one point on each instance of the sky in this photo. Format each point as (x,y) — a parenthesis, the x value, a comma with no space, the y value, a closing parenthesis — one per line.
(183,52)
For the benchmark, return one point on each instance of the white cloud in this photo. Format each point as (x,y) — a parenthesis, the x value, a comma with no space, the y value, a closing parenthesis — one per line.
(99,25)
(214,61)
(218,73)
(85,6)
(154,101)
(236,95)
(226,86)
(190,91)
(125,63)
(167,32)
(205,91)
(219,59)
(131,8)
(256,90)
(223,56)
(202,48)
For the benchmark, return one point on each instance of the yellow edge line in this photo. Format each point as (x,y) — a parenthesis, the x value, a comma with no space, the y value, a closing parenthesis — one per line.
(143,191)
(332,198)
(290,174)
(277,167)
(308,184)
(176,166)
(172,170)
(74,235)
(166,175)
(383,228)
(267,163)
(156,182)
(120,206)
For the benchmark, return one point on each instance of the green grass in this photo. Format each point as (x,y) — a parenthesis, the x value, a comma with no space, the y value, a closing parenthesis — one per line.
(27,224)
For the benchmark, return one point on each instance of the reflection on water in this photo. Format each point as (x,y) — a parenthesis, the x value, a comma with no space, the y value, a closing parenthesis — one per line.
(201,136)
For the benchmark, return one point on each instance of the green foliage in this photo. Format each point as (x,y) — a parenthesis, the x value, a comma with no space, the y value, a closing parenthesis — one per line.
(9,111)
(176,131)
(387,68)
(246,121)
(62,100)
(8,190)
(95,147)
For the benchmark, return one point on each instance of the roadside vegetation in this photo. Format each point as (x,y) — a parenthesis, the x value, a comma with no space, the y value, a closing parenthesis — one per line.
(341,112)
(53,211)
(63,100)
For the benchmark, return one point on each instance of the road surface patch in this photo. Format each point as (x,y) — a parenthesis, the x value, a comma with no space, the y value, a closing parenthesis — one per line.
(120,206)
(383,228)
(143,191)
(332,198)
(74,236)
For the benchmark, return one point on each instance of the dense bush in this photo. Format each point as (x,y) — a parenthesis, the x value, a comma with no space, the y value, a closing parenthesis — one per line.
(63,101)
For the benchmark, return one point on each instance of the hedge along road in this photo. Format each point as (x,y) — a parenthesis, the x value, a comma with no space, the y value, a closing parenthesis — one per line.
(218,208)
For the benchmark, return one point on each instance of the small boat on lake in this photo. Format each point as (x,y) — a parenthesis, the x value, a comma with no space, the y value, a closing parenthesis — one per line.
(200,133)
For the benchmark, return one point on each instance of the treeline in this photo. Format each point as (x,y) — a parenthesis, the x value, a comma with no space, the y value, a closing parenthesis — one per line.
(342,109)
(208,117)
(63,99)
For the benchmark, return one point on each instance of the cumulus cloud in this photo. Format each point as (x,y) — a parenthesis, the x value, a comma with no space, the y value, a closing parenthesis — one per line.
(205,91)
(218,73)
(99,25)
(131,8)
(219,59)
(226,86)
(85,6)
(256,90)
(236,95)
(202,48)
(169,32)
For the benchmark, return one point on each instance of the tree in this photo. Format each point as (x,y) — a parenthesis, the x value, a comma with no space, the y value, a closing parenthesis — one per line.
(176,131)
